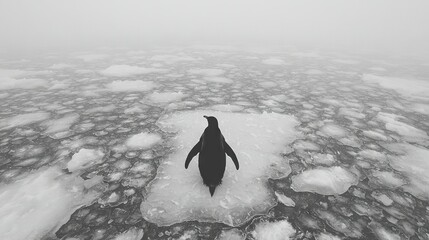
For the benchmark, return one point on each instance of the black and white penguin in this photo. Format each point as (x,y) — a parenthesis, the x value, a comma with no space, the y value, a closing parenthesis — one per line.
(212,160)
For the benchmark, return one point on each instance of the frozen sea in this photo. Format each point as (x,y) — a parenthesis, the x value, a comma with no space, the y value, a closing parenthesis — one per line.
(331,146)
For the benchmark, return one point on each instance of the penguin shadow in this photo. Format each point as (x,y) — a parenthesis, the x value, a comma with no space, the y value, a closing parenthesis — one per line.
(212,149)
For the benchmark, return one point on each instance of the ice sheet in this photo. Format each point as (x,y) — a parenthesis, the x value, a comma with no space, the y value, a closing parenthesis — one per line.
(178,194)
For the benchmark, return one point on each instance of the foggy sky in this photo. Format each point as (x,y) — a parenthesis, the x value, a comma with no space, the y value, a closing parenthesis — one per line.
(389,26)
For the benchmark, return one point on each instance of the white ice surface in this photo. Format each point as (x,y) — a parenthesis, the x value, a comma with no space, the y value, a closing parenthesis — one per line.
(409,87)
(178,194)
(130,86)
(10,79)
(38,204)
(281,230)
(85,158)
(143,140)
(23,119)
(407,131)
(127,70)
(412,161)
(59,127)
(324,180)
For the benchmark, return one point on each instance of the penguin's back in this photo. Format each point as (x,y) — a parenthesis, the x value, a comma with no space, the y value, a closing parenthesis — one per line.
(212,159)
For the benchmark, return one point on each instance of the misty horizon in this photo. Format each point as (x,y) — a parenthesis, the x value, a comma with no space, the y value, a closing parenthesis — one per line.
(373,27)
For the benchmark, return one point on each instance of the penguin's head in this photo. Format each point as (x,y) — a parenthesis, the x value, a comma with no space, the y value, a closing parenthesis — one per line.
(212,120)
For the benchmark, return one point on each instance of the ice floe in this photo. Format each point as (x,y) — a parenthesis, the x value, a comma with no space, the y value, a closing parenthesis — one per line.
(15,79)
(324,180)
(281,230)
(413,162)
(407,131)
(177,194)
(143,140)
(409,87)
(85,158)
(128,70)
(23,119)
(130,86)
(37,204)
(58,128)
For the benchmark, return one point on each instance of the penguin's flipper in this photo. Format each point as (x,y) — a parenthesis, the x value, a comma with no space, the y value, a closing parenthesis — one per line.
(194,151)
(231,154)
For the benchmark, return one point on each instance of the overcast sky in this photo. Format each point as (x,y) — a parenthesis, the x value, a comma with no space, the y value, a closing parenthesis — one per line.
(392,26)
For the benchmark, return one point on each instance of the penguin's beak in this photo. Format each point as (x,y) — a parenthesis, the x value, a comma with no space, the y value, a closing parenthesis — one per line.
(205,116)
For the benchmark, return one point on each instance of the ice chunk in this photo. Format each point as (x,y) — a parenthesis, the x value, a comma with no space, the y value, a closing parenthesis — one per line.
(413,162)
(285,200)
(178,194)
(232,234)
(57,127)
(387,179)
(383,233)
(166,97)
(35,205)
(333,130)
(323,180)
(143,140)
(85,158)
(23,119)
(375,135)
(281,230)
(130,86)
(130,234)
(127,70)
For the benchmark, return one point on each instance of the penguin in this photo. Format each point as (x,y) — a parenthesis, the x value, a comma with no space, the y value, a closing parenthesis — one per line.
(212,160)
